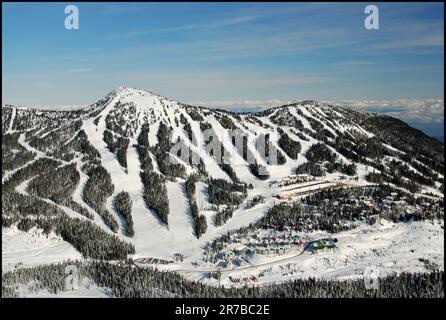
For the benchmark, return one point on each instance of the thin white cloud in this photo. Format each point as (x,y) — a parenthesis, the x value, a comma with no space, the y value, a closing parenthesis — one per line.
(235,21)
(210,25)
(435,40)
(409,110)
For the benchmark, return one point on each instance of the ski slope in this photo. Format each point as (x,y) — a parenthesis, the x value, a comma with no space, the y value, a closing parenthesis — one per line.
(31,248)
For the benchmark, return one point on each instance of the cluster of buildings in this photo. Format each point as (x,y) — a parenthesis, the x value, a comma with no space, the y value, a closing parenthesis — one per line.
(268,238)
(236,257)
(292,179)
(390,203)
(235,254)
(242,247)
(371,207)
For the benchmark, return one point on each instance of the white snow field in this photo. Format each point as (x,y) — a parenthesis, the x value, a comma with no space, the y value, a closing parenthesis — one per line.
(27,249)
(86,289)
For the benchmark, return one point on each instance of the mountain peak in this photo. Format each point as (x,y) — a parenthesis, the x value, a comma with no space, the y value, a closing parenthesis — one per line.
(123,92)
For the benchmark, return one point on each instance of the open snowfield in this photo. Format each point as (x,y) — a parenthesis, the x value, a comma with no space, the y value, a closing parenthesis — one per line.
(33,248)
(87,289)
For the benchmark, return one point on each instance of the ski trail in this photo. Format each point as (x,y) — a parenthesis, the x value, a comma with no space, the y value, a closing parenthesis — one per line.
(11,122)
(180,220)
(21,188)
(23,143)
(118,176)
(148,230)
(27,146)
(77,197)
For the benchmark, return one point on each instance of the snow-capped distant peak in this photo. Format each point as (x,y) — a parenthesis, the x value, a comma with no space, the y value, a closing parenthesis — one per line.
(124,91)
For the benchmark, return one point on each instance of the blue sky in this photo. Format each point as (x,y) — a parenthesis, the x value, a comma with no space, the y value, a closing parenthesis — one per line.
(222,52)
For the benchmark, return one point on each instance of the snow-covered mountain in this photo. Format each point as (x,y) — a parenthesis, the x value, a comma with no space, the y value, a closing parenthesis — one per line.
(108,170)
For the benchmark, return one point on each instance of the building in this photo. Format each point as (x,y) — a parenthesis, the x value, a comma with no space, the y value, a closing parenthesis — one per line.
(244,252)
(226,255)
(322,246)
(292,179)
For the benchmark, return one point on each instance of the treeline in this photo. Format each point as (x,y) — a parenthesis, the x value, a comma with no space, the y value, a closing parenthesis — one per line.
(320,152)
(290,146)
(335,210)
(155,191)
(123,205)
(52,141)
(143,138)
(117,145)
(155,194)
(421,152)
(59,186)
(254,201)
(381,178)
(81,144)
(90,240)
(279,155)
(317,154)
(122,119)
(49,181)
(255,168)
(42,166)
(86,237)
(310,168)
(14,155)
(45,277)
(340,166)
(131,282)
(223,215)
(222,192)
(194,114)
(187,128)
(231,195)
(399,135)
(321,133)
(225,122)
(229,171)
(205,126)
(97,189)
(399,169)
(283,117)
(294,215)
(166,163)
(320,159)
(200,224)
(370,151)
(259,171)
